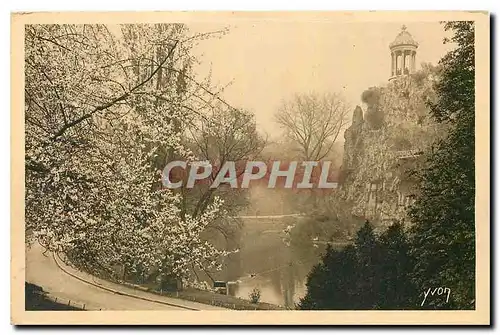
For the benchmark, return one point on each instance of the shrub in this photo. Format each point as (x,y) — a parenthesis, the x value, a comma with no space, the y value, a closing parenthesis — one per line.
(255,295)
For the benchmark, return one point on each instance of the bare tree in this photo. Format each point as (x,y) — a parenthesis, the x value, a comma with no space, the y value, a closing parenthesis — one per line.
(313,122)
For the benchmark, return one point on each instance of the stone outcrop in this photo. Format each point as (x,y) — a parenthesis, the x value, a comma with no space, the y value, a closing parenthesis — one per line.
(385,144)
(353,140)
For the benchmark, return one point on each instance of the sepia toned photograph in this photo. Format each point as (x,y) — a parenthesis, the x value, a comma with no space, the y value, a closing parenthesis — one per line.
(169,165)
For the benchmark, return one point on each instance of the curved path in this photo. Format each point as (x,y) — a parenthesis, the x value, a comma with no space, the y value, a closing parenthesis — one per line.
(66,283)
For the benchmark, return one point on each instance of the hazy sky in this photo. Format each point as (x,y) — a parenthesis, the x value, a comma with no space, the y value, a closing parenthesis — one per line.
(269,61)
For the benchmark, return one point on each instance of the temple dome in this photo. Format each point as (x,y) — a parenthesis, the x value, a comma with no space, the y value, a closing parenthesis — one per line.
(403,38)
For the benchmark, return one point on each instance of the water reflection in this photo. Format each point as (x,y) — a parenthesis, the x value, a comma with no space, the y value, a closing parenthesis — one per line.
(267,263)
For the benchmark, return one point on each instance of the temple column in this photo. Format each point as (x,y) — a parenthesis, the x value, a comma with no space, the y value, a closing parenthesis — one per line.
(393,68)
(414,61)
(392,64)
(395,63)
(398,66)
(403,62)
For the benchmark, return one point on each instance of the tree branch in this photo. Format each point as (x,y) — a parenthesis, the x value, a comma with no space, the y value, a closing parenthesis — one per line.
(122,97)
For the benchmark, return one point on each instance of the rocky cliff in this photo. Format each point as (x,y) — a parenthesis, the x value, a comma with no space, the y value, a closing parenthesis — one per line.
(384,143)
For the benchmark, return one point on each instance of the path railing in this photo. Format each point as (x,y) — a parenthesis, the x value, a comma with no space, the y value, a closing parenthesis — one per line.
(69,303)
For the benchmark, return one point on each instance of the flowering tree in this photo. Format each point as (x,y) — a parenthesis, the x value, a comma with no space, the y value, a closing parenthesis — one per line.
(102,105)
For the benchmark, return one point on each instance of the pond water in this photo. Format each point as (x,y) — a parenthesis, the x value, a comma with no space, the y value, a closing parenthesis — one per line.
(266,262)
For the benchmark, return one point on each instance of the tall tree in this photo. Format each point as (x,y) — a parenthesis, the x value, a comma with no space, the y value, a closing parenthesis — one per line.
(330,284)
(367,276)
(396,289)
(443,234)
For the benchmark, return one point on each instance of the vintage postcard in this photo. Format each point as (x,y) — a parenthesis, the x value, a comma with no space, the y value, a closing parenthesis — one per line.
(231,168)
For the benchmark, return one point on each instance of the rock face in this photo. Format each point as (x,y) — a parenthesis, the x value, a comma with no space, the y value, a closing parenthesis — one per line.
(384,145)
(353,140)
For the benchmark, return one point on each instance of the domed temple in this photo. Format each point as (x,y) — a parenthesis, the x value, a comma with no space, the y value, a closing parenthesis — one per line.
(403,54)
